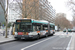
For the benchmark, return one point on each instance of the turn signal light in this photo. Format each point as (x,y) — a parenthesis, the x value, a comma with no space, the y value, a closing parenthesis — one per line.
(27,33)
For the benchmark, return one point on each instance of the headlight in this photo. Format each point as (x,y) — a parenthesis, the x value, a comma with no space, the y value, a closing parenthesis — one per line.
(16,33)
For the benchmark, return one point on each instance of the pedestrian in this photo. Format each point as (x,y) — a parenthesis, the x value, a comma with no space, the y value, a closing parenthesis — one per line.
(67,31)
(3,33)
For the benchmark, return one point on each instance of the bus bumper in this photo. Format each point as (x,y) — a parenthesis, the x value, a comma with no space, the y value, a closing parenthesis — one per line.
(25,36)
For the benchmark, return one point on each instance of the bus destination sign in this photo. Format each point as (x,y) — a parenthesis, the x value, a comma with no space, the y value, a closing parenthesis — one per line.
(23,21)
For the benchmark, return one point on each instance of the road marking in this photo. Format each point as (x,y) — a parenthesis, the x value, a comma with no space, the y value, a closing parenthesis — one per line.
(37,43)
(68,48)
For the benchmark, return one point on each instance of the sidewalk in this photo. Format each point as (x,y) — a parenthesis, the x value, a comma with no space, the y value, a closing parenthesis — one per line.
(5,40)
(72,42)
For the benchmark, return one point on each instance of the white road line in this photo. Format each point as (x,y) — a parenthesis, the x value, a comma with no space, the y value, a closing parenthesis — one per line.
(68,48)
(36,43)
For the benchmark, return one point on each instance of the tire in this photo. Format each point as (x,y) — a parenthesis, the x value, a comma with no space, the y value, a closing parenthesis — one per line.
(17,39)
(52,34)
(46,35)
(38,36)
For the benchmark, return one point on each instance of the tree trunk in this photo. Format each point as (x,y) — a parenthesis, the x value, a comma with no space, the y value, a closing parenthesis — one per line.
(6,18)
(6,28)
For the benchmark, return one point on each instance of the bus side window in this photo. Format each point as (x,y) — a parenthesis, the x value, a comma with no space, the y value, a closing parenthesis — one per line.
(51,27)
(41,27)
(34,28)
(38,28)
(45,27)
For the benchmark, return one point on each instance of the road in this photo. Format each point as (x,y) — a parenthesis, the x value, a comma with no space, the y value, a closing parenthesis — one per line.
(59,41)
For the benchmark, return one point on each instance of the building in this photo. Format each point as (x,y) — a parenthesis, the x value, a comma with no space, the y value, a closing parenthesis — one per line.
(13,12)
(41,10)
(2,17)
(48,13)
(31,9)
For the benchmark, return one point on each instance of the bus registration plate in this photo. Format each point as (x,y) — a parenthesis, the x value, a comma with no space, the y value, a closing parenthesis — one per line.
(22,37)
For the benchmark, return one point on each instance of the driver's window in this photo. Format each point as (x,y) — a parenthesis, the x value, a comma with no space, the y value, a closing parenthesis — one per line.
(18,26)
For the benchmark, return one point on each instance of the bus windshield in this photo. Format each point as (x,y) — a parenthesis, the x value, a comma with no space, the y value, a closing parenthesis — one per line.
(23,27)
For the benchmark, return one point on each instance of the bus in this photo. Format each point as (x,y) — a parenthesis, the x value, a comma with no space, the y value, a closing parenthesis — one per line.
(32,29)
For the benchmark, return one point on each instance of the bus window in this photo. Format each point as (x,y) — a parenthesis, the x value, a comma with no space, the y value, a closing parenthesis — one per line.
(36,28)
(52,27)
(45,27)
(23,27)
(41,27)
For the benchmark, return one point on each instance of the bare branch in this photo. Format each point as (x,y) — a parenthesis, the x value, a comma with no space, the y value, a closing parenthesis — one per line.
(62,21)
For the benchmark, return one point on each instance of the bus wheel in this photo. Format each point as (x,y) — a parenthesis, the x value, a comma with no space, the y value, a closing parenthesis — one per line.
(52,34)
(38,36)
(46,35)
(17,39)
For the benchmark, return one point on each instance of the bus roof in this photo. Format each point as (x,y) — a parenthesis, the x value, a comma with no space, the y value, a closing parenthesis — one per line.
(52,24)
(39,21)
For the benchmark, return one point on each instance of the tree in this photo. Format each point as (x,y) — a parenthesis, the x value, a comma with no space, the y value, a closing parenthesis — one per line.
(73,20)
(71,5)
(33,9)
(5,12)
(62,21)
(26,8)
(9,24)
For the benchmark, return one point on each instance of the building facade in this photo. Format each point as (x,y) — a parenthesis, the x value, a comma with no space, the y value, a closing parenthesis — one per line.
(41,10)
(31,9)
(13,12)
(48,13)
(2,17)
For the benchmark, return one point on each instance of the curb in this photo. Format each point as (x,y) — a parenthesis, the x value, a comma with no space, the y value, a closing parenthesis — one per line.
(7,41)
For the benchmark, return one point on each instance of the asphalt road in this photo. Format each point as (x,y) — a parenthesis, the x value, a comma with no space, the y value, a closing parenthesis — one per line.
(56,42)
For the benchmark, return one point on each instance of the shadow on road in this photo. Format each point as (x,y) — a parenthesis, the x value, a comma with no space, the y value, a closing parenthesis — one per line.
(31,40)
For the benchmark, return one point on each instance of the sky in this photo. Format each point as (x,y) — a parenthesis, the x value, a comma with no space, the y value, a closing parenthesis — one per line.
(61,7)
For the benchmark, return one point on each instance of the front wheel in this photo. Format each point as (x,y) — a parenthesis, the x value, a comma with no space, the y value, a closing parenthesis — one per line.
(38,36)
(17,39)
(46,35)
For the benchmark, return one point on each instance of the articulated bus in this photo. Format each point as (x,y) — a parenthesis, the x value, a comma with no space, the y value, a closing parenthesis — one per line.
(32,29)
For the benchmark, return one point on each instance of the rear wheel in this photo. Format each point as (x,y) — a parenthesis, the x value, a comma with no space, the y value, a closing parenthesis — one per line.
(52,34)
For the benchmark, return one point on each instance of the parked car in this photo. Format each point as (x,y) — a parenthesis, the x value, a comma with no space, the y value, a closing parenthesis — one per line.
(69,30)
(64,30)
(73,30)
